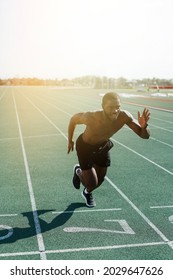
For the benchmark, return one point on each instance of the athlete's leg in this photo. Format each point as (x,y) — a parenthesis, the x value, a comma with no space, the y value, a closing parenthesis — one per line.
(88,178)
(101,173)
(92,178)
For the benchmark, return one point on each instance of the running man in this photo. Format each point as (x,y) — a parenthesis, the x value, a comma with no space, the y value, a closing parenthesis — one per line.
(94,143)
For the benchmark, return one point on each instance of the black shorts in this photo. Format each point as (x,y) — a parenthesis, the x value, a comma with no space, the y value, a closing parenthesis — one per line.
(88,155)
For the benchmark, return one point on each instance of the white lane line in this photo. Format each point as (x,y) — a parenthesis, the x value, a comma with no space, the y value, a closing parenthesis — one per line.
(19,254)
(151,107)
(8,139)
(83,211)
(161,206)
(171,219)
(159,127)
(33,136)
(163,237)
(71,250)
(30,137)
(164,143)
(152,138)
(8,215)
(162,120)
(42,135)
(53,106)
(159,166)
(31,193)
(105,247)
(2,95)
(154,118)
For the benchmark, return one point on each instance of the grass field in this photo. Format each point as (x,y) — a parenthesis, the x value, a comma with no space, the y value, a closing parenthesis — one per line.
(43,217)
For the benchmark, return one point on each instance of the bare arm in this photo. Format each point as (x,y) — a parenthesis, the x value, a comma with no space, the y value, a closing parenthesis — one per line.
(141,129)
(80,118)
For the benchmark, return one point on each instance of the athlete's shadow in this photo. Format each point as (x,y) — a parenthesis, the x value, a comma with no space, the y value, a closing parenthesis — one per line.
(35,221)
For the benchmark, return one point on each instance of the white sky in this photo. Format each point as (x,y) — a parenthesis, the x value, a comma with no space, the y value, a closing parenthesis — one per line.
(71,38)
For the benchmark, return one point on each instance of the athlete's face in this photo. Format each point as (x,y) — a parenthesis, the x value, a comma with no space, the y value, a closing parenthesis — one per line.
(112,108)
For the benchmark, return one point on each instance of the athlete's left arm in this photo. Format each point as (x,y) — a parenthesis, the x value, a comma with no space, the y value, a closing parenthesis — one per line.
(141,127)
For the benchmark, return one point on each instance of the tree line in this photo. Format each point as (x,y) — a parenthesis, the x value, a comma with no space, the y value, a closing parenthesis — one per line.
(88,81)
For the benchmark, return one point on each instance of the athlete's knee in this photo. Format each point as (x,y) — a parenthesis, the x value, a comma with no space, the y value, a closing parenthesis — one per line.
(100,181)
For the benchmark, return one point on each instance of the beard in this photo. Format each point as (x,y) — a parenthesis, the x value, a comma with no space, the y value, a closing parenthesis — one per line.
(111,116)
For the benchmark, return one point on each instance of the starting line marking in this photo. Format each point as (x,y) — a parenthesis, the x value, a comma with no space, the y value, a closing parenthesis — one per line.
(106,247)
(89,210)
(161,206)
(85,249)
(8,215)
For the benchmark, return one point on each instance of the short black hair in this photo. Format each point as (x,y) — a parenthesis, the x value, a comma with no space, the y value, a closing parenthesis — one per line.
(109,96)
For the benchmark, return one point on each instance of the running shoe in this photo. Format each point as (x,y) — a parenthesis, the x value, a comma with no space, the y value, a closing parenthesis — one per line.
(76,180)
(89,200)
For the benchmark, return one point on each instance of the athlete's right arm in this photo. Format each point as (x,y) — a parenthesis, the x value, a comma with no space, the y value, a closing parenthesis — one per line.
(80,118)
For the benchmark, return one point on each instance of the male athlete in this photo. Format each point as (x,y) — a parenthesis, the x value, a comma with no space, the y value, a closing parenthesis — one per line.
(94,143)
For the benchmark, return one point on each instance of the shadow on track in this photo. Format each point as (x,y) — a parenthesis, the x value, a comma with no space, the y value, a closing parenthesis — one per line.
(30,231)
